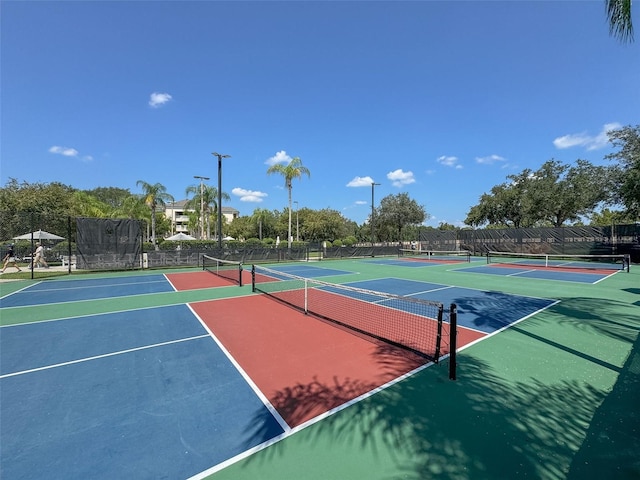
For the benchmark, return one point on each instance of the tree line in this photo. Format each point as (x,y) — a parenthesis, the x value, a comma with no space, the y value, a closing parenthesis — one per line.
(553,195)
(557,193)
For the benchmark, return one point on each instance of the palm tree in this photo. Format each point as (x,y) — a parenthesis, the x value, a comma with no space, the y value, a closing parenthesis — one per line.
(154,195)
(260,215)
(294,169)
(207,200)
(619,18)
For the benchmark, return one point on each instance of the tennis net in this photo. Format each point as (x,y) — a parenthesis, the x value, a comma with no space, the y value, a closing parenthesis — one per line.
(442,256)
(223,268)
(533,260)
(409,323)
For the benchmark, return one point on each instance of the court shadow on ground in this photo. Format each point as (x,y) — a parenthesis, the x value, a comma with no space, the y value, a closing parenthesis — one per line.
(485,425)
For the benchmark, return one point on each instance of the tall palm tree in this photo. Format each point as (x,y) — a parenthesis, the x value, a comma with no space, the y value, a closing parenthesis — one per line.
(619,18)
(208,200)
(294,169)
(154,195)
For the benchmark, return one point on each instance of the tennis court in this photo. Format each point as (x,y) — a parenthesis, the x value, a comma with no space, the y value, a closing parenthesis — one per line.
(567,268)
(183,374)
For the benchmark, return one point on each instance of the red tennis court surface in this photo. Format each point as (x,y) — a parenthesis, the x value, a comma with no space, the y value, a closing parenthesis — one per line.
(304,366)
(202,279)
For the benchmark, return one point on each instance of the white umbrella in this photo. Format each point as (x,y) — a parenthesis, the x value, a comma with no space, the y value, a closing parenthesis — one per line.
(180,236)
(228,238)
(39,235)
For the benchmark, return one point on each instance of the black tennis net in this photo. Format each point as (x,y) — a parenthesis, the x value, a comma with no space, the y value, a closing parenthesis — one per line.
(223,268)
(409,323)
(579,262)
(436,256)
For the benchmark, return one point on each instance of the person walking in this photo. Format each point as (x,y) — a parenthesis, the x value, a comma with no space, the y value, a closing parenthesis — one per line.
(38,258)
(10,260)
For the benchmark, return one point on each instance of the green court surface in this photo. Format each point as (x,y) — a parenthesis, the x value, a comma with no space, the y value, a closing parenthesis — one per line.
(555,396)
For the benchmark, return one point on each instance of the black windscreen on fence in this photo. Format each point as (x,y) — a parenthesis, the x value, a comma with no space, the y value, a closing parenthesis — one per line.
(108,244)
(585,240)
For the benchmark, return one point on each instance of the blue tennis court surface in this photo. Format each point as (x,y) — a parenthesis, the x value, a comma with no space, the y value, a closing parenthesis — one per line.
(480,310)
(580,276)
(86,289)
(151,386)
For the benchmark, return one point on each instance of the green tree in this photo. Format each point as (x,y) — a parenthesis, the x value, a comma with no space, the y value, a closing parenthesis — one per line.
(294,169)
(262,218)
(133,207)
(325,224)
(503,207)
(606,217)
(112,196)
(558,193)
(619,18)
(25,207)
(627,190)
(241,228)
(154,195)
(398,211)
(447,226)
(83,204)
(209,197)
(552,195)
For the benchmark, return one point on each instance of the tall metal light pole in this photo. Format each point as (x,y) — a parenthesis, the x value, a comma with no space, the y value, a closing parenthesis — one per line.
(297,224)
(201,205)
(373,222)
(220,157)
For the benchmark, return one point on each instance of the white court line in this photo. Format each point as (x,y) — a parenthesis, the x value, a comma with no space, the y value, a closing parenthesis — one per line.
(170,283)
(96,357)
(281,421)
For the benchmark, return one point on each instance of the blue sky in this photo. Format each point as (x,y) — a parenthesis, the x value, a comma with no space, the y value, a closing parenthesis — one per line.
(441,100)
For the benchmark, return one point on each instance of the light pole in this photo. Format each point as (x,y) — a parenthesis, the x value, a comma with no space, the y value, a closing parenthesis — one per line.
(201,204)
(373,212)
(297,224)
(220,157)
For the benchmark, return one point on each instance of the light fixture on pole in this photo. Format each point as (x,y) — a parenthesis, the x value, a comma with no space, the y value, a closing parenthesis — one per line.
(297,223)
(201,204)
(373,185)
(220,157)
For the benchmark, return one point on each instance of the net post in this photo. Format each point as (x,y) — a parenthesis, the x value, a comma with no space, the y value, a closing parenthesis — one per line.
(306,296)
(253,278)
(627,260)
(436,355)
(453,340)
(240,274)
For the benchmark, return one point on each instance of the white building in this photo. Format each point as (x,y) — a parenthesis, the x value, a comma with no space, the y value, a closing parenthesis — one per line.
(178,214)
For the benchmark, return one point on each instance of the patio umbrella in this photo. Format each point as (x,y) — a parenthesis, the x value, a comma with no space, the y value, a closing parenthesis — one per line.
(180,236)
(39,235)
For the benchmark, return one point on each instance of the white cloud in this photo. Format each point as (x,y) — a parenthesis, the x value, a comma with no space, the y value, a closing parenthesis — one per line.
(589,142)
(248,195)
(449,161)
(490,160)
(66,151)
(360,182)
(280,157)
(361,202)
(158,99)
(70,152)
(399,177)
